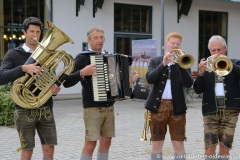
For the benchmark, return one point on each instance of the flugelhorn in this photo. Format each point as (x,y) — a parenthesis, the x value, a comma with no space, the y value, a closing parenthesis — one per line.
(32,92)
(184,60)
(219,64)
(147,117)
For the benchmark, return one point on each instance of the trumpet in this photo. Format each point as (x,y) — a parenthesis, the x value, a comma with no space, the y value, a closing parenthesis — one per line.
(219,64)
(147,117)
(184,60)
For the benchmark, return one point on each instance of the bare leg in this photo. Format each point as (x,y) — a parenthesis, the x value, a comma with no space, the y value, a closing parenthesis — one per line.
(89,147)
(223,151)
(103,150)
(211,151)
(48,152)
(26,154)
(179,150)
(156,153)
(104,144)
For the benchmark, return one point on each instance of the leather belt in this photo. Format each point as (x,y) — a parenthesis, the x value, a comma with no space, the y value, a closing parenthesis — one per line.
(166,100)
(225,112)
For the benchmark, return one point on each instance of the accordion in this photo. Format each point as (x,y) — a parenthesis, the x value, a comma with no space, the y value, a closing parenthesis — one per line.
(111,82)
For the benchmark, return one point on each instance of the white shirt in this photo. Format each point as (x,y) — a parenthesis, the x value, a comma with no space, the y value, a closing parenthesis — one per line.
(167,93)
(27,49)
(219,89)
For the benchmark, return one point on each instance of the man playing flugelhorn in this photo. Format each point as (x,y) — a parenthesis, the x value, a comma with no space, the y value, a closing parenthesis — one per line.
(166,100)
(221,99)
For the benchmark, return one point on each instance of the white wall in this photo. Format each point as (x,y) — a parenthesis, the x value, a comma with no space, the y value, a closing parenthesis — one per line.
(64,16)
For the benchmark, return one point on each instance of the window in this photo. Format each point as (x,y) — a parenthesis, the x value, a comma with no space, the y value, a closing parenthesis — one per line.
(131,22)
(211,23)
(15,11)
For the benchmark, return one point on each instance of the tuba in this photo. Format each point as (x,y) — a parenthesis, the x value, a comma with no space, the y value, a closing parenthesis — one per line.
(219,64)
(184,60)
(29,92)
(147,117)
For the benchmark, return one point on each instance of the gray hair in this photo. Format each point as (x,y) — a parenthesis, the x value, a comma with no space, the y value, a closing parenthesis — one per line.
(98,29)
(217,38)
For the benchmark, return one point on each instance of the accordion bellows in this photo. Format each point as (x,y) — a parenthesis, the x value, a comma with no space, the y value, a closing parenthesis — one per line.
(111,82)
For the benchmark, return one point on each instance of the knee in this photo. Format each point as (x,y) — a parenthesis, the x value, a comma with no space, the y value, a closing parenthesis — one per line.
(211,150)
(90,146)
(157,147)
(48,152)
(26,154)
(178,147)
(106,144)
(224,151)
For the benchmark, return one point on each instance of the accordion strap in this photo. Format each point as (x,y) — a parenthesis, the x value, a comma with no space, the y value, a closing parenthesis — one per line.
(92,52)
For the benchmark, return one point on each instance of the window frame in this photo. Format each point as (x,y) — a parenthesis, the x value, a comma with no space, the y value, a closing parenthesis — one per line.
(207,23)
(131,35)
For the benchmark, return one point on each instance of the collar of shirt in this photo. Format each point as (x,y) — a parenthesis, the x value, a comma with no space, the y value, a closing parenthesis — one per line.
(170,63)
(103,52)
(27,49)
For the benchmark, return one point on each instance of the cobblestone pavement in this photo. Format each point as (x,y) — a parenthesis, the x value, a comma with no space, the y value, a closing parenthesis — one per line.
(129,127)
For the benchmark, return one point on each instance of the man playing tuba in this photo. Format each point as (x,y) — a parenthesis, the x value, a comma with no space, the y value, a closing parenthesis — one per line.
(29,120)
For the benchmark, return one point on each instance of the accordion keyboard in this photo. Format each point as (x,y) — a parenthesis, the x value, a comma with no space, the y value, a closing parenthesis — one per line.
(100,82)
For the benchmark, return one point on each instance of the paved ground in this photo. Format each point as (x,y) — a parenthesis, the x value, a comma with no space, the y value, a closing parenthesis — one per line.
(125,146)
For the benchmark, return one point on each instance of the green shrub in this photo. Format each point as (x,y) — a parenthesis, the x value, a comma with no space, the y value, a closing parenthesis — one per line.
(6,106)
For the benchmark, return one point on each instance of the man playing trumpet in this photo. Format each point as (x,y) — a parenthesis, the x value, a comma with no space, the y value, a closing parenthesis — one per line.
(221,99)
(166,100)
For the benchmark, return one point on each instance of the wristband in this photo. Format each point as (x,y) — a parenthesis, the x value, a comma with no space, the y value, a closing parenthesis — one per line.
(81,74)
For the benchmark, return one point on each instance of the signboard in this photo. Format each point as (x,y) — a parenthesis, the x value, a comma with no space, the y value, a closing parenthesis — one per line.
(142,52)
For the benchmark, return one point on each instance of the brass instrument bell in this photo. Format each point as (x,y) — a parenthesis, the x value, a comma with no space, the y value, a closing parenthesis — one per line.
(147,117)
(219,64)
(184,60)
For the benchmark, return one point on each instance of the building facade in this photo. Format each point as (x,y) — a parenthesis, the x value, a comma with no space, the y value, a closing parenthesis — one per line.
(124,21)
